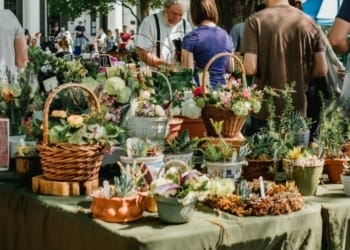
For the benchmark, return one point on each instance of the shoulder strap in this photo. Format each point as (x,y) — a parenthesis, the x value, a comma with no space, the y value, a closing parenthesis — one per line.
(158,35)
(184,25)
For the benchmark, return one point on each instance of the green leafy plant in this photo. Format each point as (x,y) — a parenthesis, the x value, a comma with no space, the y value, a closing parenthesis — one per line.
(221,150)
(181,144)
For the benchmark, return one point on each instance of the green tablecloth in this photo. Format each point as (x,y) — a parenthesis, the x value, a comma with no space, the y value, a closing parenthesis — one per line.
(335,215)
(31,221)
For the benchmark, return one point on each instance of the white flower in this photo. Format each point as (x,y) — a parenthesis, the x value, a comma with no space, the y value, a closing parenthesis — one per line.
(190,109)
(145,94)
(159,111)
(188,94)
(175,111)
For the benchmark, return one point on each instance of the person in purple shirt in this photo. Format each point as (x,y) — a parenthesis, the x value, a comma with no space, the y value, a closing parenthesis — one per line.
(205,41)
(338,36)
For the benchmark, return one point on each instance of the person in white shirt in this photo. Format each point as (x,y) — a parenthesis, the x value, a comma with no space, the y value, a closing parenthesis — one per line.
(100,39)
(13,48)
(155,40)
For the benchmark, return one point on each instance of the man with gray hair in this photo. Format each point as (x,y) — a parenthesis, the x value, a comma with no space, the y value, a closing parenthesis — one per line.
(159,35)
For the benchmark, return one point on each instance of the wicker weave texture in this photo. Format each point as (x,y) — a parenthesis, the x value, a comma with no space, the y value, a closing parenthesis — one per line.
(69,162)
(232,124)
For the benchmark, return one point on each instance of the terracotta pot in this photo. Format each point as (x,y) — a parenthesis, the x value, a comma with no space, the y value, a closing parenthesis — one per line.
(118,209)
(334,169)
(175,125)
(195,127)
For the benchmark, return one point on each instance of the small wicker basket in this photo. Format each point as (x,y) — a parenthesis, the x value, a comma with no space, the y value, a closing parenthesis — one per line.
(232,123)
(69,162)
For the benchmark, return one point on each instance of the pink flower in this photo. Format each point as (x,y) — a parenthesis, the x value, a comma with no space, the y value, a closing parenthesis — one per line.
(246,93)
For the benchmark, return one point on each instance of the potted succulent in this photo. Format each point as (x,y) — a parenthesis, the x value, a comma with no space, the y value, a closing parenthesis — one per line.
(176,190)
(121,202)
(147,151)
(222,158)
(181,147)
(304,166)
(300,129)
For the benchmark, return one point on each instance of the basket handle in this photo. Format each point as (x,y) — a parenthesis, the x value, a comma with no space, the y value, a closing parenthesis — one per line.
(50,98)
(222,54)
(173,163)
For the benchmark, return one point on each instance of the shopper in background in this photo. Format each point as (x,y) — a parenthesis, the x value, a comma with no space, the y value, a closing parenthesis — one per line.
(80,39)
(13,47)
(154,41)
(282,45)
(205,41)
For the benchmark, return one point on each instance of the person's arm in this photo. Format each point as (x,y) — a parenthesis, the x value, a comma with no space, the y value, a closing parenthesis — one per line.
(338,36)
(149,59)
(21,55)
(320,65)
(187,59)
(250,61)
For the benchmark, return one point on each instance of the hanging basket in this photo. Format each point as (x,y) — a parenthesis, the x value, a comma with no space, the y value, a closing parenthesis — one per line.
(69,162)
(233,124)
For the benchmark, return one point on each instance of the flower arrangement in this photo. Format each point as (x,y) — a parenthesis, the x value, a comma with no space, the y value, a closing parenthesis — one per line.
(16,95)
(305,157)
(82,129)
(234,95)
(184,103)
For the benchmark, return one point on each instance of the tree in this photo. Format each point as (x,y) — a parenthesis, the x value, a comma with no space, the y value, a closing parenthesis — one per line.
(75,8)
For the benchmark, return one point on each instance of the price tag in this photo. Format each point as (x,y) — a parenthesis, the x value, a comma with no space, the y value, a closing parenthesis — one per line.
(50,83)
(105,60)
(4,144)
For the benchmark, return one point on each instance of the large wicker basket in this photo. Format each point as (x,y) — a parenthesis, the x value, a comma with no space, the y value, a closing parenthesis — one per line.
(233,124)
(69,162)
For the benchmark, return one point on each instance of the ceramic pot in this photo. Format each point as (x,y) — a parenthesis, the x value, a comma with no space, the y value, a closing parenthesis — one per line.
(170,210)
(117,209)
(231,170)
(302,138)
(185,157)
(307,178)
(346,182)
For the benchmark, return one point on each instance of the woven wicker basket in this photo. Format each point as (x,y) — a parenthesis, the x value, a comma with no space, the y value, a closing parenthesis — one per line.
(232,124)
(69,162)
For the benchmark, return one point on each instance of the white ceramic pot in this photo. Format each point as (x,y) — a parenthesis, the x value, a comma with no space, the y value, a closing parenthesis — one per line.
(185,157)
(231,170)
(346,182)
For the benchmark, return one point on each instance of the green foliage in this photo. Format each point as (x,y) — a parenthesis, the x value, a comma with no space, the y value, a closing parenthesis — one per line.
(129,180)
(181,144)
(332,129)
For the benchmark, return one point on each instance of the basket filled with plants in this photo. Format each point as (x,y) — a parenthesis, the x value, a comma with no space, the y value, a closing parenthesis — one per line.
(256,198)
(230,102)
(73,139)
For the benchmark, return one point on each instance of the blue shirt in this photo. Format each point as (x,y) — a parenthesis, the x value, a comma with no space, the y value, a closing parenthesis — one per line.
(204,42)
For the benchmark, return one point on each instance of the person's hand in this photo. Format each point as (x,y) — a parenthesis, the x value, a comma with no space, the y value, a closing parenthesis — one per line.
(341,73)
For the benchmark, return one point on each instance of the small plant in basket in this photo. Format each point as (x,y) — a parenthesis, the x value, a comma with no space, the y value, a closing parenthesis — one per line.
(176,190)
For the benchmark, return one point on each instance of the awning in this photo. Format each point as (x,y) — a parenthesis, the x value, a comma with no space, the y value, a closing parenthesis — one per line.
(323,11)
